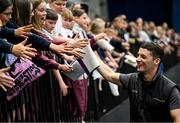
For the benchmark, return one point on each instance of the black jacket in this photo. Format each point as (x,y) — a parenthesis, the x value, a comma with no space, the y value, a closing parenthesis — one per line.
(5,47)
(150,103)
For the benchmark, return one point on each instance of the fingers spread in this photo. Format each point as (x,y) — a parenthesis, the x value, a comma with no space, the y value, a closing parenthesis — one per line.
(7,79)
(3,88)
(68,49)
(80,51)
(23,36)
(29,45)
(24,42)
(27,28)
(5,69)
(26,57)
(7,84)
(29,49)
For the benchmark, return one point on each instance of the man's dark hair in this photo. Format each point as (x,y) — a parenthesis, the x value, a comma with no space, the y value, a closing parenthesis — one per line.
(52,15)
(154,48)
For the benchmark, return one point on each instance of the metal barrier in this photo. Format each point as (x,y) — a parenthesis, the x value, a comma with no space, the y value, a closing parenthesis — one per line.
(39,101)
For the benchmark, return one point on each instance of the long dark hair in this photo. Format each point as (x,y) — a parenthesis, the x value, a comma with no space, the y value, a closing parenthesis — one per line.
(4,4)
(21,12)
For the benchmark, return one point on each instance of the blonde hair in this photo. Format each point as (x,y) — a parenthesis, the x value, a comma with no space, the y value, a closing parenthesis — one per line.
(67,14)
(97,26)
(110,31)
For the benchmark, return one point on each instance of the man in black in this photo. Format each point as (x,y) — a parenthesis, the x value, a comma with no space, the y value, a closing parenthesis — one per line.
(153,97)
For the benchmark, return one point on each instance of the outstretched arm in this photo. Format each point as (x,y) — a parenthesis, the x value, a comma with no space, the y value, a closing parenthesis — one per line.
(62,85)
(107,73)
(19,50)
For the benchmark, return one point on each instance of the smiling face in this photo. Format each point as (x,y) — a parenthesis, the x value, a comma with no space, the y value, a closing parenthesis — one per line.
(145,61)
(5,16)
(83,21)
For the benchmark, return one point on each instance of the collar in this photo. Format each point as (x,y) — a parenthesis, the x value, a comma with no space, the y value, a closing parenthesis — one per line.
(158,73)
(152,82)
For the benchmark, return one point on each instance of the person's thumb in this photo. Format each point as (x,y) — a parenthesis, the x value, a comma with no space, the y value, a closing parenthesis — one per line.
(25,41)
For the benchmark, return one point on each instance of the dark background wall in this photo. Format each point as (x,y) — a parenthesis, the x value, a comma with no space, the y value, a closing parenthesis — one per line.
(176,15)
(155,10)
